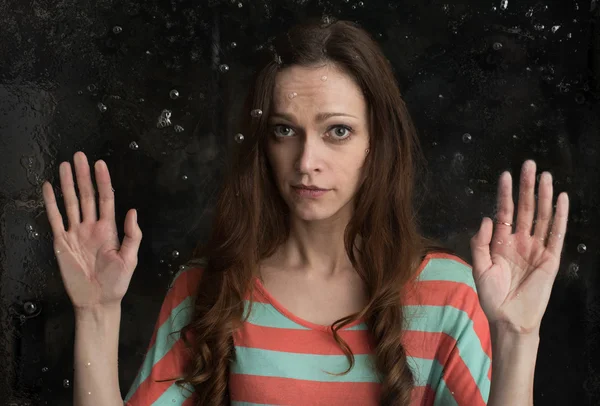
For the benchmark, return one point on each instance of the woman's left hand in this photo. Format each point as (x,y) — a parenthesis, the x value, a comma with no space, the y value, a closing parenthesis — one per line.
(514,272)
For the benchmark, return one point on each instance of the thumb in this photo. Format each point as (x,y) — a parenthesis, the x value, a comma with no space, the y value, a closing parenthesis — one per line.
(131,241)
(480,248)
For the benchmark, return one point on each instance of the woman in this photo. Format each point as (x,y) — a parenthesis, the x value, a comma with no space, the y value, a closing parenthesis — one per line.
(316,286)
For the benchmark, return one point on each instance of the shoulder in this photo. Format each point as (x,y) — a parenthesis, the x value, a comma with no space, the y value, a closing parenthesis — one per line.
(443,267)
(443,280)
(185,281)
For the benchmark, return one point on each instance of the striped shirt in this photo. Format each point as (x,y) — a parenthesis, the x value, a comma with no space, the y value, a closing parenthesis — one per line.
(281,359)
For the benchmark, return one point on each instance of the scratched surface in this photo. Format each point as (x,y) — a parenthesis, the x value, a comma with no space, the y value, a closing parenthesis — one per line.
(489,85)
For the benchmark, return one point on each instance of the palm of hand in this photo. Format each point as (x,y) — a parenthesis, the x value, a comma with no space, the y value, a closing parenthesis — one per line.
(95,268)
(90,259)
(514,273)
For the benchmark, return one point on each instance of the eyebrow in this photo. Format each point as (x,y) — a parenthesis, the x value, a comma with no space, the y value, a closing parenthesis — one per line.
(318,117)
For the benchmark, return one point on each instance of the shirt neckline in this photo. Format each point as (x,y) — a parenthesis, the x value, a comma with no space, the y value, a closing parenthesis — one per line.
(305,323)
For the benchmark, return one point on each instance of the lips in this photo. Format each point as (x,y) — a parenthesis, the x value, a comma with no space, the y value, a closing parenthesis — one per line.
(309,188)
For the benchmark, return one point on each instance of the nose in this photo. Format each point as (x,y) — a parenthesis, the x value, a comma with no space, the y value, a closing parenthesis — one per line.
(309,151)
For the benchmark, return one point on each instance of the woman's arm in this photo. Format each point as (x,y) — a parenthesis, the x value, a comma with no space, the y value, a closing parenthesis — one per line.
(513,367)
(96,380)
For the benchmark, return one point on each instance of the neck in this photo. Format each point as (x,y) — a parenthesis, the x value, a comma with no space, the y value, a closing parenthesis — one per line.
(316,247)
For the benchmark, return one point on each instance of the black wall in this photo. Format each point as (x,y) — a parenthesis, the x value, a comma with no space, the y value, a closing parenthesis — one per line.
(521,89)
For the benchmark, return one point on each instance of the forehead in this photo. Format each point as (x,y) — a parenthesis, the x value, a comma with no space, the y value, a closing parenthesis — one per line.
(317,87)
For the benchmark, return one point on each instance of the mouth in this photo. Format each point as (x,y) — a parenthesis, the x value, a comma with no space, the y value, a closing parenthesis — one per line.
(309,192)
(313,188)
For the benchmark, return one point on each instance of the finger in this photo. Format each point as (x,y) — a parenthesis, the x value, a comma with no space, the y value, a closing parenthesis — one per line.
(68,190)
(559,226)
(54,216)
(131,241)
(480,247)
(505,207)
(526,206)
(107,196)
(87,194)
(544,214)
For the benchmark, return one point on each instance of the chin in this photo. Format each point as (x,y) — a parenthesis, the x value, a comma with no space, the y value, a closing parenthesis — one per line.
(311,216)
(308,213)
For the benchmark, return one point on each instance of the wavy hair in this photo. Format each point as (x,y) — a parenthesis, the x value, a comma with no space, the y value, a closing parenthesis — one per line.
(251,217)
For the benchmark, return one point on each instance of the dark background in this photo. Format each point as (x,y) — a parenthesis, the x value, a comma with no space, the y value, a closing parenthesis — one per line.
(523,81)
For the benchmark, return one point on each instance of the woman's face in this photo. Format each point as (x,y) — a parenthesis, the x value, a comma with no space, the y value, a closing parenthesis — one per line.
(318,134)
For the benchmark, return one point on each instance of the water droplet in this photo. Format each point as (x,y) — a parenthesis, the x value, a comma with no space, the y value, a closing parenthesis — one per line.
(164,119)
(240,5)
(234,44)
(581,248)
(29,307)
(134,146)
(503,4)
(239,138)
(555,28)
(117,29)
(66,383)
(80,92)
(466,138)
(256,113)
(175,254)
(184,177)
(141,100)
(361,4)
(224,68)
(441,96)
(45,369)
(174,94)
(102,107)
(292,95)
(178,129)
(91,88)
(324,78)
(579,98)
(497,46)
(569,35)
(573,269)
(469,191)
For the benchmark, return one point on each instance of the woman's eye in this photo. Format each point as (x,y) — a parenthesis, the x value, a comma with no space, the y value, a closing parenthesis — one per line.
(341,131)
(285,132)
(337,132)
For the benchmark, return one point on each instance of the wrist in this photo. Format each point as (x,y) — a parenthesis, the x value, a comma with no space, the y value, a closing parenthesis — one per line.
(97,313)
(506,335)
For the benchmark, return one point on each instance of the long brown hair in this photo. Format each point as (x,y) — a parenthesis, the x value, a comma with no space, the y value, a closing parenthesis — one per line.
(251,218)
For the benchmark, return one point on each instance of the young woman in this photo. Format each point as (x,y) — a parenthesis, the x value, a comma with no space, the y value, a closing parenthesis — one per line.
(316,287)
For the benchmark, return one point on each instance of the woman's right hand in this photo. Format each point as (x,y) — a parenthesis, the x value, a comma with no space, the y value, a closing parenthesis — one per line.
(95,268)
